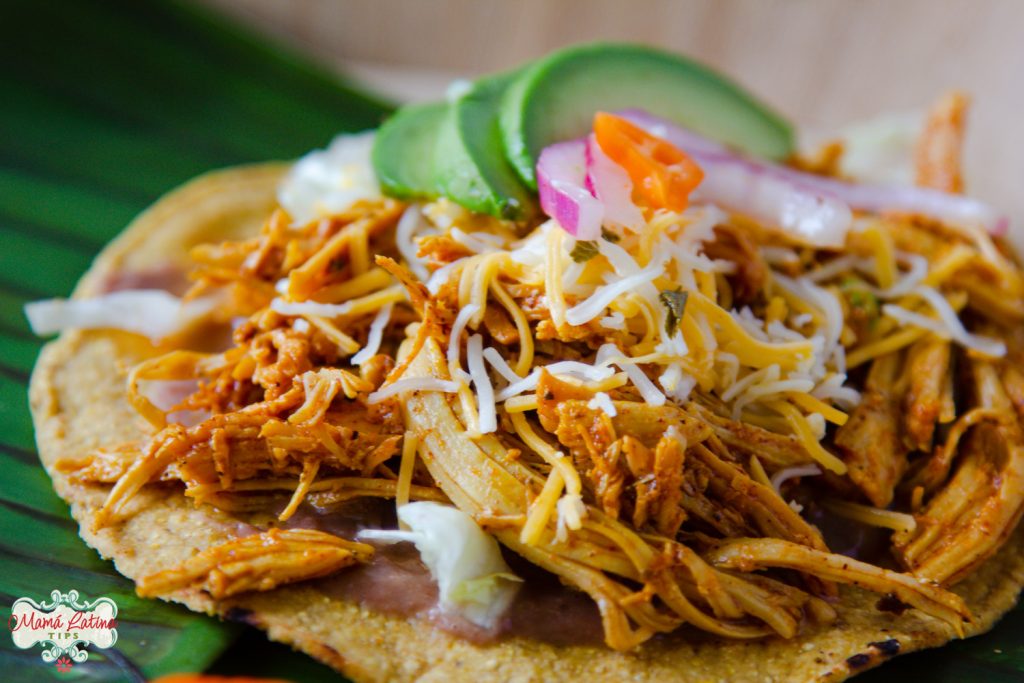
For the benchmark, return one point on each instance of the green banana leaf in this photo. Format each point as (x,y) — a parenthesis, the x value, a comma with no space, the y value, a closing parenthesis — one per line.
(106,105)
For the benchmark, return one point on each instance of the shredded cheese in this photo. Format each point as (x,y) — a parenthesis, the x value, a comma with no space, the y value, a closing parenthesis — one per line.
(521,404)
(787,473)
(375,335)
(595,305)
(553,278)
(609,353)
(412,384)
(410,444)
(500,364)
(455,339)
(542,508)
(408,224)
(487,420)
(812,404)
(955,328)
(373,279)
(807,438)
(365,304)
(603,402)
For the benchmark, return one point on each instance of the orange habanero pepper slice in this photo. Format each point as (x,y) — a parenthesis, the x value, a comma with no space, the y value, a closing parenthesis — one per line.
(663,175)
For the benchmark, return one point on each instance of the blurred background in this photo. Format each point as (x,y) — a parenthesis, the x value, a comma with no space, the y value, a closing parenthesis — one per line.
(823,63)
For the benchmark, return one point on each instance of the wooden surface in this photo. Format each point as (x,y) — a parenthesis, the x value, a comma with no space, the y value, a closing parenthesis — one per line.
(824,63)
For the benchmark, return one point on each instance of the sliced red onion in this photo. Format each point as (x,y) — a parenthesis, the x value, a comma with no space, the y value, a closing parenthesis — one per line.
(816,219)
(610,183)
(811,197)
(561,180)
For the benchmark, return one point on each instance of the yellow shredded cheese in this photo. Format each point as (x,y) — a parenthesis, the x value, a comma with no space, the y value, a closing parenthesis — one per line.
(542,508)
(359,249)
(486,272)
(894,342)
(885,255)
(347,344)
(521,404)
(405,469)
(947,264)
(750,351)
(553,277)
(371,280)
(805,435)
(525,360)
(813,404)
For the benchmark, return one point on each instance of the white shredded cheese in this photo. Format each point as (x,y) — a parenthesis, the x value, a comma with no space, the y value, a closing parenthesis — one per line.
(832,389)
(455,339)
(477,242)
(500,364)
(408,224)
(587,310)
(611,354)
(528,383)
(571,511)
(770,373)
(314,308)
(955,329)
(413,384)
(488,414)
(766,389)
(676,383)
(374,336)
(787,473)
(440,276)
(584,371)
(603,402)
(615,321)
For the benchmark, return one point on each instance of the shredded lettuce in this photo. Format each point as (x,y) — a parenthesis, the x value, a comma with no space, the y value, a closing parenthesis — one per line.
(328,181)
(150,312)
(881,150)
(472,577)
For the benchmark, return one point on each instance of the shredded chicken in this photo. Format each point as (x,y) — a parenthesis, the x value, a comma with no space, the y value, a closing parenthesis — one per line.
(870,439)
(974,513)
(260,562)
(938,152)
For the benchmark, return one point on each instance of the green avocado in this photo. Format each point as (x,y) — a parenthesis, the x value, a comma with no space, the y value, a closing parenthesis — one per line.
(555,99)
(470,166)
(403,151)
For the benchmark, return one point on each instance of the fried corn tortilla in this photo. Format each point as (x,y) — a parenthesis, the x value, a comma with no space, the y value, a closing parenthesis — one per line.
(78,404)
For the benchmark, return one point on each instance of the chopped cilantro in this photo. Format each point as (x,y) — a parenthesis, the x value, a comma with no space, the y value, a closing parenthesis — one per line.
(675,305)
(584,251)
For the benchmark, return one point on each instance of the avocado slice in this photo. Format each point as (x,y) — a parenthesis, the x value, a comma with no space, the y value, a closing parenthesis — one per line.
(403,151)
(555,99)
(470,166)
